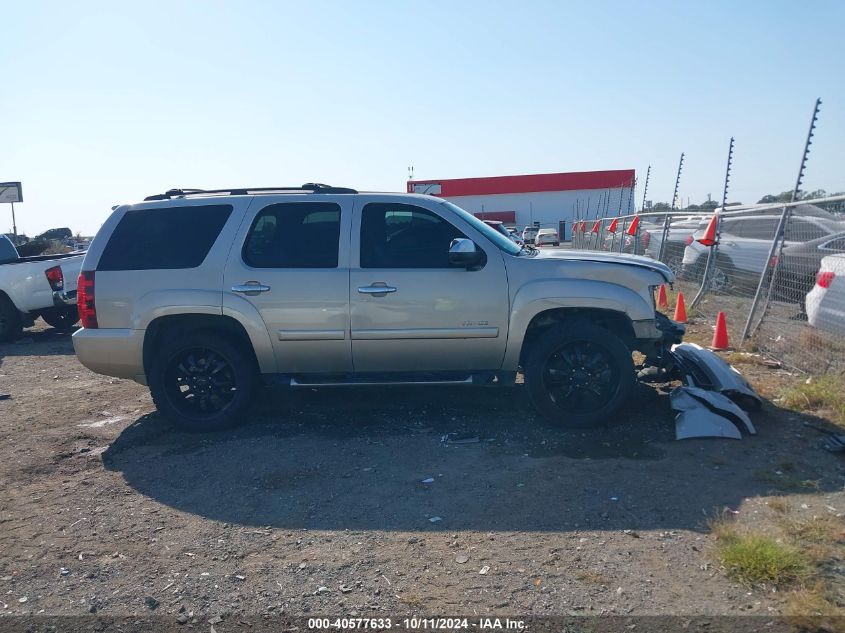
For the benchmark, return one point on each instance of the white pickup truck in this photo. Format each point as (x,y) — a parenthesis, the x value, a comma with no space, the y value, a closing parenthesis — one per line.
(44,285)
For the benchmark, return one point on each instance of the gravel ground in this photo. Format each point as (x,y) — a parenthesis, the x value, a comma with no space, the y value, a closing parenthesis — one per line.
(367,501)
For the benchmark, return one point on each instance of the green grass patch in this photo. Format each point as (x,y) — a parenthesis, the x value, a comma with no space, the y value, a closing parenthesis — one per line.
(757,559)
(824,393)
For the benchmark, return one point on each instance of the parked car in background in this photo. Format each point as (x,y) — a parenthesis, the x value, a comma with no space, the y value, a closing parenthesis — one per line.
(529,234)
(548,237)
(826,301)
(744,247)
(42,285)
(501,228)
(799,264)
(678,236)
(624,243)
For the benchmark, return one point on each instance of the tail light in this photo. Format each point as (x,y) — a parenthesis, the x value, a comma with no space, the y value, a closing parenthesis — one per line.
(85,299)
(689,240)
(646,238)
(55,277)
(824,279)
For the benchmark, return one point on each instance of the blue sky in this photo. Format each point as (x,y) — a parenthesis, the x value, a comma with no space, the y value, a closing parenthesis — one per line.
(104,103)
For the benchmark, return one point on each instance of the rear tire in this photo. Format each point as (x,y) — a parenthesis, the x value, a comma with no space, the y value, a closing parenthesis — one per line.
(202,381)
(11,326)
(63,319)
(578,374)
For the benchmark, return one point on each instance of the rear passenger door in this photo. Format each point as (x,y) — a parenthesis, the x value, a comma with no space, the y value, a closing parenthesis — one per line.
(290,263)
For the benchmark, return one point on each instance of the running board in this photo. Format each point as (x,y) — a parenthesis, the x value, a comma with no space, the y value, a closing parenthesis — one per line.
(374,382)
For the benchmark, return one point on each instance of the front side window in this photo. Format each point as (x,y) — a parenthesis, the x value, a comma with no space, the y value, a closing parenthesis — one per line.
(503,243)
(294,235)
(397,235)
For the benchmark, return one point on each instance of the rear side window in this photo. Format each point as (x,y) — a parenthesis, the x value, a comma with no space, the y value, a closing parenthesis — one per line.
(731,226)
(759,228)
(165,238)
(835,245)
(800,231)
(294,235)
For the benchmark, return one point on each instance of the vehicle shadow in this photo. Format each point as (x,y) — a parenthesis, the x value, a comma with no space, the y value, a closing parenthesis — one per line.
(361,459)
(39,342)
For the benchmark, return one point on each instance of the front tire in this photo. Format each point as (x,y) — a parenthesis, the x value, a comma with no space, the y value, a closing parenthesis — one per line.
(202,381)
(578,374)
(63,319)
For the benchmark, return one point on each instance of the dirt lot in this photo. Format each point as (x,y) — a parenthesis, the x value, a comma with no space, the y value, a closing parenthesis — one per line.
(317,505)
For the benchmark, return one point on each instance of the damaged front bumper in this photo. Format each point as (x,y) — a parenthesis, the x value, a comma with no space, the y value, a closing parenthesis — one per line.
(711,401)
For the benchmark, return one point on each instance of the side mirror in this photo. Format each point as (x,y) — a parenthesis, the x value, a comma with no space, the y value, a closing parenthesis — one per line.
(466,254)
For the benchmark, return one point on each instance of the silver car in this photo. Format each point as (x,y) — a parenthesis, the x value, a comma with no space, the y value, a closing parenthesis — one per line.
(204,295)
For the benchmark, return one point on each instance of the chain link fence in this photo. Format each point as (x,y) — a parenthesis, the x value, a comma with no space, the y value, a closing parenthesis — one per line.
(777,272)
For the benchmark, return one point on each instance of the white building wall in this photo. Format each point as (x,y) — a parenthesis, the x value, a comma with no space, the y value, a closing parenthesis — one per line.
(549,207)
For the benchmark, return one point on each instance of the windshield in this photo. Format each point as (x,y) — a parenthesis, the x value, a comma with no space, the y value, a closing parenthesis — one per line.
(503,242)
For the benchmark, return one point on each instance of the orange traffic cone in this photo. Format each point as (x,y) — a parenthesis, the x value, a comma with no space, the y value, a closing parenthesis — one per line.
(709,237)
(720,336)
(681,309)
(635,224)
(662,301)
(612,227)
(596,227)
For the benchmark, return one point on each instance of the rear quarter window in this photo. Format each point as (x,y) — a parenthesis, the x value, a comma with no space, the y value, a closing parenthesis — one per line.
(164,238)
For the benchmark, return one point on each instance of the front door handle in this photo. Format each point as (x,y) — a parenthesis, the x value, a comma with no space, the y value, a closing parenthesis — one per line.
(377,289)
(250,288)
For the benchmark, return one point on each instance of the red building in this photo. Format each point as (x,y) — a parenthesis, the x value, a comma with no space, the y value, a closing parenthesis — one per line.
(547,199)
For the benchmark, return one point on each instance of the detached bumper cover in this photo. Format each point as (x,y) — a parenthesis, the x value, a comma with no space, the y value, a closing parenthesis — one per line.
(704,369)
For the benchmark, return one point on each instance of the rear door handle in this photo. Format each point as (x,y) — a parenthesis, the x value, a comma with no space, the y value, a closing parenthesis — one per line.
(378,289)
(250,288)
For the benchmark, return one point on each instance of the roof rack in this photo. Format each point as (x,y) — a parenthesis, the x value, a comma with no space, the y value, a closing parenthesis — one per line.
(312,187)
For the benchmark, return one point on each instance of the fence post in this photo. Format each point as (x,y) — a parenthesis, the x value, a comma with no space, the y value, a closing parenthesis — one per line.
(777,242)
(621,235)
(713,254)
(663,236)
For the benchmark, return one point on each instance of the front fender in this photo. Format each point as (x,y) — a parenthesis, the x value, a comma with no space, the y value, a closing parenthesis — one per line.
(550,294)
